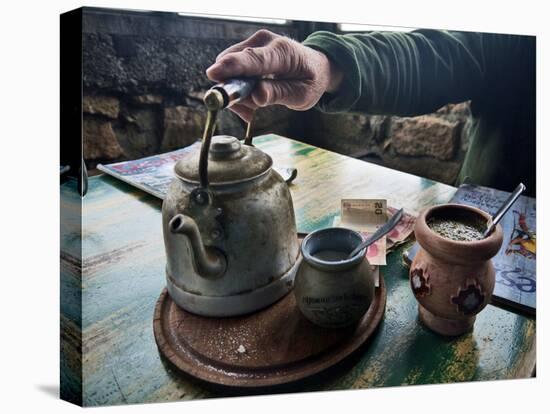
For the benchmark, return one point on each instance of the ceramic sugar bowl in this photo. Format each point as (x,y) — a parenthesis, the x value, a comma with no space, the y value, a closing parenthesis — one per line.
(452,275)
(333,290)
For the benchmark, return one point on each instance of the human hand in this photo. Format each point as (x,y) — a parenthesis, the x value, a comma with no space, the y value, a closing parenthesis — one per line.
(290,73)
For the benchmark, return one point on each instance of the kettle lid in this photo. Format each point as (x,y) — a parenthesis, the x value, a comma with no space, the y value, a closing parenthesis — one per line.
(229,162)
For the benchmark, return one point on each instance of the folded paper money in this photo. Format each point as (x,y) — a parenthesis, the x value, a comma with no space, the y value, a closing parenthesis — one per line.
(366,216)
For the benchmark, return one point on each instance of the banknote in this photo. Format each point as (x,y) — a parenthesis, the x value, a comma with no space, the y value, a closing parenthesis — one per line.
(366,216)
(376,252)
(363,214)
(402,231)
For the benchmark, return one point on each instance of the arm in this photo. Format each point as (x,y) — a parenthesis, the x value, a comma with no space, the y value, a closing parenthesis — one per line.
(406,73)
(380,72)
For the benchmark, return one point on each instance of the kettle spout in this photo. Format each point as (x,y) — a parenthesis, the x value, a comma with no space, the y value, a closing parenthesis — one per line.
(209,263)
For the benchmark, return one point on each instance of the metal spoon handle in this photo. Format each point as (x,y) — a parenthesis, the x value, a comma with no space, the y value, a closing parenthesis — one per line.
(504,208)
(384,229)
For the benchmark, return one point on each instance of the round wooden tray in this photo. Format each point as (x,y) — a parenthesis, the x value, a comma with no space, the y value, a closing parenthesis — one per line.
(273,346)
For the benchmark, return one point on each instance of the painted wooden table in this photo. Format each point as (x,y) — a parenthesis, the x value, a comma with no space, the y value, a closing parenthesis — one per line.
(123,274)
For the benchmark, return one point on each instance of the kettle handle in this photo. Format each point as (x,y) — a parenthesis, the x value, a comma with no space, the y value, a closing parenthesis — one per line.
(234,90)
(205,148)
(218,97)
(248,135)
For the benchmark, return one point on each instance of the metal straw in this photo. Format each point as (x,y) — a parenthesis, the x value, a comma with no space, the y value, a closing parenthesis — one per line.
(504,208)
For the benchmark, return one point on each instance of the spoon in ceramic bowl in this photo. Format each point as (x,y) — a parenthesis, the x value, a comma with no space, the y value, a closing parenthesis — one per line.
(504,208)
(384,229)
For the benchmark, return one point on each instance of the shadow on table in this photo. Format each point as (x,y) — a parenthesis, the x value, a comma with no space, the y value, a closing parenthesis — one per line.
(49,389)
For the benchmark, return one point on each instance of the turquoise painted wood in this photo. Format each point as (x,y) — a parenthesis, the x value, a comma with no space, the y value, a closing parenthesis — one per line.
(123,274)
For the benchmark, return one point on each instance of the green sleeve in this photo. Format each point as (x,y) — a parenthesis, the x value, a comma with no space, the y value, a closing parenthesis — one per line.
(410,73)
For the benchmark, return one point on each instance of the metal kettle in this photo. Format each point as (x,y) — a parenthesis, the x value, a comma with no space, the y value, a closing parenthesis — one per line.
(229,230)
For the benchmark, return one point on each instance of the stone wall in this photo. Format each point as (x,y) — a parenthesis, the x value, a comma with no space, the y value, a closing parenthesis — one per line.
(431,145)
(143,82)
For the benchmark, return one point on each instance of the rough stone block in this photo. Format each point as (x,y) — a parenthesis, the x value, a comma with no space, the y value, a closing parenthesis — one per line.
(101,105)
(139,131)
(459,110)
(196,95)
(148,63)
(100,141)
(100,66)
(148,99)
(425,136)
(182,127)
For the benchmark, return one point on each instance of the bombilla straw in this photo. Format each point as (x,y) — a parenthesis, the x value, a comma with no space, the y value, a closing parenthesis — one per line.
(504,208)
